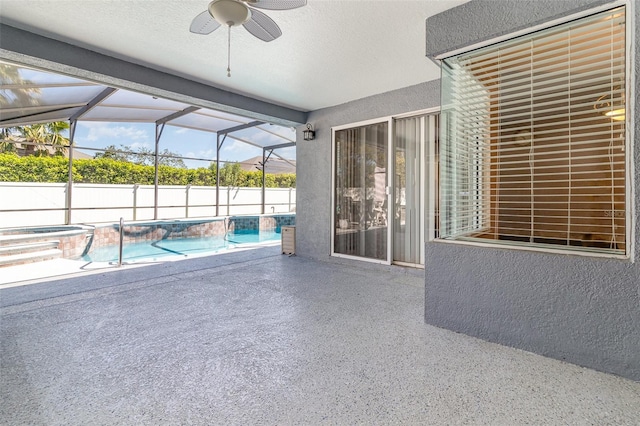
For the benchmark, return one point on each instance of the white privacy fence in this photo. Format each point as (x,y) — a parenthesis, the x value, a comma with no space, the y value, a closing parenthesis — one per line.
(37,204)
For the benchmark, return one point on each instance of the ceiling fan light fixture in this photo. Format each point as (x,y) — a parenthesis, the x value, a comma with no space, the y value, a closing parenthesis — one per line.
(229,12)
(232,13)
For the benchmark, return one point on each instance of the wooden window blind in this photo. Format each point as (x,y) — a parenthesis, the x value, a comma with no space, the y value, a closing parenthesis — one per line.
(533,139)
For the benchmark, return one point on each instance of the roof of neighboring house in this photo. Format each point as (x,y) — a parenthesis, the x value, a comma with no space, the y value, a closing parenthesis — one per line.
(79,155)
(275,166)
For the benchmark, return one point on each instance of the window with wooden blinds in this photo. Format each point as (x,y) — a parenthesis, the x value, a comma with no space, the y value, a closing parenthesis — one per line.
(533,143)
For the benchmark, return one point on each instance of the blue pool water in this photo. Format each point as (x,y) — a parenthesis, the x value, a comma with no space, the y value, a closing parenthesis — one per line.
(154,250)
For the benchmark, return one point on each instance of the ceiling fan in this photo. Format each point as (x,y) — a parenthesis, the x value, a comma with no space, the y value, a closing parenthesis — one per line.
(238,12)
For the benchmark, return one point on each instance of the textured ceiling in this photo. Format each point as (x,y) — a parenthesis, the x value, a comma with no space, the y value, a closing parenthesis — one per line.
(330,52)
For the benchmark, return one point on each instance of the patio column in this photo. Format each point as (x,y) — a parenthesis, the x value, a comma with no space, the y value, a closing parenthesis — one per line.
(265,158)
(69,198)
(73,122)
(159,129)
(218,147)
(224,134)
(264,161)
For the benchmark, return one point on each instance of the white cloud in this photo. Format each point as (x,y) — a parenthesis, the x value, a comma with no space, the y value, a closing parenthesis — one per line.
(124,134)
(206,154)
(289,153)
(236,146)
(238,151)
(137,145)
(182,131)
(264,138)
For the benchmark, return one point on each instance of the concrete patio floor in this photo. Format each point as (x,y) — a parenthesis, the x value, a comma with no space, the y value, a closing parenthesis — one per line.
(255,337)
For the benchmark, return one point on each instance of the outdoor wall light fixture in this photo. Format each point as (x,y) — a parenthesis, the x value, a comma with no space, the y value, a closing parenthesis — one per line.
(308,133)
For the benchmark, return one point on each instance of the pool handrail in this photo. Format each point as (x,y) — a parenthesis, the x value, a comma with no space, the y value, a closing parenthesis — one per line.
(121,242)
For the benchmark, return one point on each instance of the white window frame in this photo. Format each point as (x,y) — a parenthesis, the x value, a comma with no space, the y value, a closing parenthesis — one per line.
(630,215)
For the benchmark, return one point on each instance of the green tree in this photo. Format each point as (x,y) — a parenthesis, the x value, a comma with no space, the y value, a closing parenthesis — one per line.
(201,176)
(35,169)
(7,142)
(45,134)
(285,180)
(111,171)
(254,179)
(113,153)
(231,175)
(168,158)
(143,156)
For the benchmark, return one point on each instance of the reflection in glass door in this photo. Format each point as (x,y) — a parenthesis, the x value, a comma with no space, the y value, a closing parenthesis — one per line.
(360,197)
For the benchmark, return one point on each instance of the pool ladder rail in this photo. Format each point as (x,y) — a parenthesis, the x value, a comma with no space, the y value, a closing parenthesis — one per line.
(121,242)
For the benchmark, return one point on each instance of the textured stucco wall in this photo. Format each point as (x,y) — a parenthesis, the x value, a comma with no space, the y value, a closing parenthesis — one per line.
(584,310)
(481,20)
(313,204)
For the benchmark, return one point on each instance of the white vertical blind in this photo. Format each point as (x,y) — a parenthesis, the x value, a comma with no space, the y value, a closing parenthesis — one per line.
(409,136)
(533,138)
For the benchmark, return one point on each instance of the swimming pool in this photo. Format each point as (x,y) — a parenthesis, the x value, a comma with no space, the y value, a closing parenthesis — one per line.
(183,247)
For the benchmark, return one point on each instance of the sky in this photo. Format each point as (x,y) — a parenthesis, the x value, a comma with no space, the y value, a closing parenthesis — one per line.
(186,142)
(55,89)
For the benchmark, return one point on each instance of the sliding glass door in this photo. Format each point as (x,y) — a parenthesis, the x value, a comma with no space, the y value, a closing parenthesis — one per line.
(380,175)
(414,149)
(408,189)
(360,195)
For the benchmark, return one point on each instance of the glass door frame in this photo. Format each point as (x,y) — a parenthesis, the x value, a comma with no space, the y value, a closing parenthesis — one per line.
(420,207)
(388,191)
(428,175)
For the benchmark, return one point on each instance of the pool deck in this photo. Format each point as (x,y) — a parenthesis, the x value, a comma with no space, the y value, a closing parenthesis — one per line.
(256,337)
(33,273)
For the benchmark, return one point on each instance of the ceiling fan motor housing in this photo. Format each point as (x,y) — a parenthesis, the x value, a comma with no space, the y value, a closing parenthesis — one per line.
(229,12)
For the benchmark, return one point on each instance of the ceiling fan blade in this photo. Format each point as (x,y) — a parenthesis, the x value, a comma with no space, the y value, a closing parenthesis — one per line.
(204,24)
(278,4)
(263,27)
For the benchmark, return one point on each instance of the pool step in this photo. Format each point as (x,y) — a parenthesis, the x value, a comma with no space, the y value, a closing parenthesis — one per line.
(20,252)
(35,244)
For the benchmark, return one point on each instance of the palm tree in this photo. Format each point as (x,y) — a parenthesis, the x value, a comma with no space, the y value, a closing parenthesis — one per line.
(48,134)
(7,139)
(7,144)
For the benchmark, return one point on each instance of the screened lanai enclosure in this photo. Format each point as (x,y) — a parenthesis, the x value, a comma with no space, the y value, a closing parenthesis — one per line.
(180,160)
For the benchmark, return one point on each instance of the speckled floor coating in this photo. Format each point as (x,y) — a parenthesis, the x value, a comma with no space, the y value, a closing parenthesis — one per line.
(260,338)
